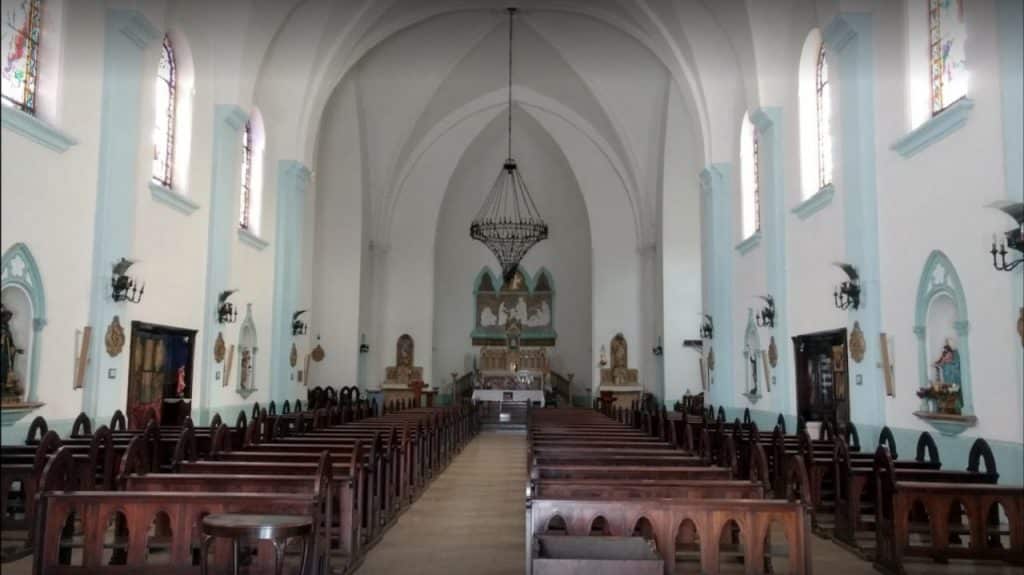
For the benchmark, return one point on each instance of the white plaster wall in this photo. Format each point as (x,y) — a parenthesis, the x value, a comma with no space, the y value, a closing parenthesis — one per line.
(936,200)
(458,258)
(48,201)
(338,243)
(680,251)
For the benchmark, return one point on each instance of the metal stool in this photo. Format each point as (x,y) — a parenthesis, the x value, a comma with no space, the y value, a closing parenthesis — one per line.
(277,529)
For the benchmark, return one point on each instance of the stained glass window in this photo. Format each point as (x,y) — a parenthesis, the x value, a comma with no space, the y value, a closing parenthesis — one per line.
(749,179)
(20,68)
(245,207)
(824,113)
(165,87)
(947,35)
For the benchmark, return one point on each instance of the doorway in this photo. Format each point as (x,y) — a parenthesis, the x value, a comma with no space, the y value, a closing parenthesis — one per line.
(160,373)
(822,376)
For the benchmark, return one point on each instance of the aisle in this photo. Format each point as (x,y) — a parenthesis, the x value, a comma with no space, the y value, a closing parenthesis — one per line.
(470,519)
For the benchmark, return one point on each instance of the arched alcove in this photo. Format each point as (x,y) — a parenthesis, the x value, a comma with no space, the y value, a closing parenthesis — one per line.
(465,268)
(248,346)
(940,318)
(22,294)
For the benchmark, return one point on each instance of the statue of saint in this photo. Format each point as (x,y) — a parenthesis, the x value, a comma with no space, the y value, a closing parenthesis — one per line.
(12,389)
(947,367)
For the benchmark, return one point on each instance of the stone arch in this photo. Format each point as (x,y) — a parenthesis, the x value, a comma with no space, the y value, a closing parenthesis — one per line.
(20,274)
(939,278)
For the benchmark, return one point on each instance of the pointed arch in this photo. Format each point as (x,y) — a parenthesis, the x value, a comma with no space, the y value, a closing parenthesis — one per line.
(939,279)
(21,274)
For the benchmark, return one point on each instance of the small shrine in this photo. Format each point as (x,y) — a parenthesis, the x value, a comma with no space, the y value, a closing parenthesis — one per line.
(620,385)
(404,380)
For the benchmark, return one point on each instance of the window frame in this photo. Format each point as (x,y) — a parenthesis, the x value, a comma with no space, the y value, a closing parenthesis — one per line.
(31,83)
(245,198)
(171,113)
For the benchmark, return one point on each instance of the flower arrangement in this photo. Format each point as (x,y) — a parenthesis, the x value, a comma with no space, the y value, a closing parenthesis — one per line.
(946,397)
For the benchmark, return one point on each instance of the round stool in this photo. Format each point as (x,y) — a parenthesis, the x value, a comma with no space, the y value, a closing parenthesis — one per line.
(277,529)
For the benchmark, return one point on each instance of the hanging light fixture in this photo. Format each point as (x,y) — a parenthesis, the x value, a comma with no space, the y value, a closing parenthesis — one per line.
(509,223)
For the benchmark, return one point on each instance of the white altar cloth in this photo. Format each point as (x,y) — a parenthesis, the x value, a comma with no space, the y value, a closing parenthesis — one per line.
(531,395)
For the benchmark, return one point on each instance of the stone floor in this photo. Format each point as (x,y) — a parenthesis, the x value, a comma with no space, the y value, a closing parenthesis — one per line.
(471,520)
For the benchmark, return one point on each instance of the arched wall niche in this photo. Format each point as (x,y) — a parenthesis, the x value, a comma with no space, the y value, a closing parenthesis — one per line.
(21,290)
(941,315)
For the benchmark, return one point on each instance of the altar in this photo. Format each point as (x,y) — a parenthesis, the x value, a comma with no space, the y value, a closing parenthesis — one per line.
(533,396)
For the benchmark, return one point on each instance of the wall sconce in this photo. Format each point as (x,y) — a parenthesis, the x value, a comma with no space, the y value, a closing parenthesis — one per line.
(603,359)
(847,294)
(657,350)
(1013,239)
(226,312)
(298,326)
(766,318)
(363,347)
(123,286)
(707,327)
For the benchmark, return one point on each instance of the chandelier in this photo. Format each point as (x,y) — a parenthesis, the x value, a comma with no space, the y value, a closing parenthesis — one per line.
(509,223)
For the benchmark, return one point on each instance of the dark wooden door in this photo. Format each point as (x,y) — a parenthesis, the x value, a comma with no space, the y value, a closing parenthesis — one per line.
(822,381)
(160,373)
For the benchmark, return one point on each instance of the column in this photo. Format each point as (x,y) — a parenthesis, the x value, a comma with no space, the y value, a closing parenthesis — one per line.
(717,203)
(849,41)
(128,33)
(292,179)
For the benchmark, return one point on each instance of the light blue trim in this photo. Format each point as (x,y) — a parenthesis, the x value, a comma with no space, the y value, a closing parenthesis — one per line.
(252,240)
(167,196)
(717,203)
(768,121)
(953,450)
(227,124)
(11,414)
(936,128)
(939,277)
(31,127)
(127,35)
(814,204)
(949,427)
(30,280)
(747,245)
(850,42)
(292,180)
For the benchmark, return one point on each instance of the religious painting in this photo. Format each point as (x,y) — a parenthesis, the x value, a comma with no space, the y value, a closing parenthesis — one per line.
(524,302)
(115,337)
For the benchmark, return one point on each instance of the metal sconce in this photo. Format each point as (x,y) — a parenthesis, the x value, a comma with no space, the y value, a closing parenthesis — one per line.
(122,286)
(847,294)
(707,328)
(298,326)
(226,312)
(1013,239)
(766,318)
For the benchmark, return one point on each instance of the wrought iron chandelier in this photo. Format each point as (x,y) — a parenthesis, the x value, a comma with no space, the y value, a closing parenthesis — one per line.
(509,223)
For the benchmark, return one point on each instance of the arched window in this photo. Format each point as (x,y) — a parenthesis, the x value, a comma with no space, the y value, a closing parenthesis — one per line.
(22,25)
(823,98)
(165,100)
(245,205)
(749,184)
(251,193)
(815,99)
(948,63)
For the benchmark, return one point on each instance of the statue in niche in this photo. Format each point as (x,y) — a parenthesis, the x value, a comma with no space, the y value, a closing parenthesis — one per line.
(245,374)
(404,373)
(619,373)
(947,367)
(12,388)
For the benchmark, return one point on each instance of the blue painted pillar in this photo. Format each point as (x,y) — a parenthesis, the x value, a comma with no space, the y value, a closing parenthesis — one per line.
(849,40)
(228,122)
(292,179)
(773,219)
(128,33)
(717,201)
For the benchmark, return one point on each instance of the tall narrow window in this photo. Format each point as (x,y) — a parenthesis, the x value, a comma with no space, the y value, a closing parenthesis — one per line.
(245,206)
(20,68)
(947,35)
(749,182)
(165,89)
(824,114)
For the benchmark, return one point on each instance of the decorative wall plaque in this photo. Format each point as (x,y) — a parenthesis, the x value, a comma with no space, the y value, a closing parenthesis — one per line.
(773,352)
(218,348)
(293,357)
(857,344)
(317,353)
(115,337)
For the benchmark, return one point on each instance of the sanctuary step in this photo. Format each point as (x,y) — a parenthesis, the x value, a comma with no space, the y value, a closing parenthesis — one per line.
(502,413)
